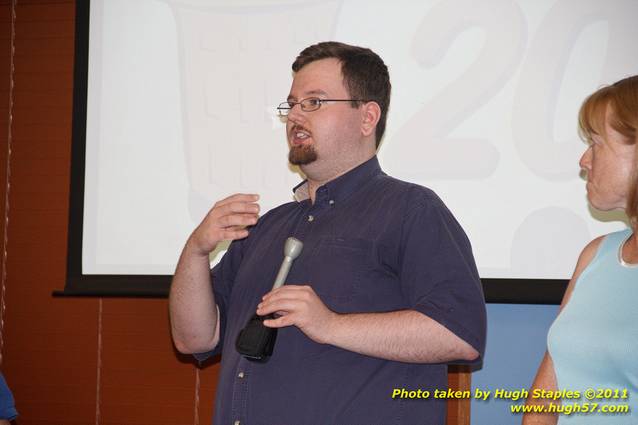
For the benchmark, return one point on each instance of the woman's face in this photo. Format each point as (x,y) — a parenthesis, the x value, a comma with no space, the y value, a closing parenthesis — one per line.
(608,163)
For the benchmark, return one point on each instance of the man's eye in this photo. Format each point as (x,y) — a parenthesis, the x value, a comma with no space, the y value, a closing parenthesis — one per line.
(314,102)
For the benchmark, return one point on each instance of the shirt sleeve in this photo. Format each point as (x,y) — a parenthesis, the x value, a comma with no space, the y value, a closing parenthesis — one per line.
(7,404)
(438,273)
(222,278)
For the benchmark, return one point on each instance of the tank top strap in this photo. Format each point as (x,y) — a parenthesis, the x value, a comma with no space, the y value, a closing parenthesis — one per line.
(609,246)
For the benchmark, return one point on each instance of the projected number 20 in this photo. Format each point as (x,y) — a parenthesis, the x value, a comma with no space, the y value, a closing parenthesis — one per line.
(537,90)
(542,71)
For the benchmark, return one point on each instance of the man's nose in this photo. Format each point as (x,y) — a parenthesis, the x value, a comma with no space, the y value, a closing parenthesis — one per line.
(296,114)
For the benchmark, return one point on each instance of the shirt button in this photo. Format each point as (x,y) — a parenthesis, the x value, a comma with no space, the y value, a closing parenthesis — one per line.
(311,218)
(331,202)
(240,375)
(237,422)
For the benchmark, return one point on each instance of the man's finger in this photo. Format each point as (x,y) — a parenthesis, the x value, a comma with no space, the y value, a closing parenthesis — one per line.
(238,197)
(231,235)
(279,322)
(237,220)
(293,289)
(288,304)
(237,207)
(274,297)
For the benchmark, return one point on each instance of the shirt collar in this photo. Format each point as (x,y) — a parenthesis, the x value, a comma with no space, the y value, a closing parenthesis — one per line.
(343,186)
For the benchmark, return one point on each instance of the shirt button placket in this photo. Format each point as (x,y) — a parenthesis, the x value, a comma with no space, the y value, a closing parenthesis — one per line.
(240,392)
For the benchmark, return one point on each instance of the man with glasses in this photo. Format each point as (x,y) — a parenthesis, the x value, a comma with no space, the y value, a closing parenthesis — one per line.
(384,294)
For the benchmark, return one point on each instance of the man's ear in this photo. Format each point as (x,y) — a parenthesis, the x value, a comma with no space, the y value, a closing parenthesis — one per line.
(370,114)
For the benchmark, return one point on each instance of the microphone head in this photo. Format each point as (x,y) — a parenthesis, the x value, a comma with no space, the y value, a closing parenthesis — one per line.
(293,247)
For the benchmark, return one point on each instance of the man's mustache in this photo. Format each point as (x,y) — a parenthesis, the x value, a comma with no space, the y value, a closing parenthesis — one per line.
(295,128)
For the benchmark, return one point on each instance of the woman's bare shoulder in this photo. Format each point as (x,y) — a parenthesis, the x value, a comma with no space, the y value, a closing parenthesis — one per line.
(586,256)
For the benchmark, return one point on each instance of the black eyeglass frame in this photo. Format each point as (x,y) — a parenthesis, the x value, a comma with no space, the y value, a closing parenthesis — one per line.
(315,103)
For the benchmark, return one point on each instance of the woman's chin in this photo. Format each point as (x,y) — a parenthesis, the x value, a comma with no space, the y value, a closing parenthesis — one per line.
(601,205)
(595,202)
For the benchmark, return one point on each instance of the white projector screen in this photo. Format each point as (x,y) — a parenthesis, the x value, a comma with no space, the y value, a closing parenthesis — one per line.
(181,98)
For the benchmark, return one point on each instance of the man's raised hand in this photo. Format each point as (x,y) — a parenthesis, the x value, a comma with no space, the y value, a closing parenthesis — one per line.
(227,220)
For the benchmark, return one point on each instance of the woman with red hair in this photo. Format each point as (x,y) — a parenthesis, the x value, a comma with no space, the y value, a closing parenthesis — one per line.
(591,365)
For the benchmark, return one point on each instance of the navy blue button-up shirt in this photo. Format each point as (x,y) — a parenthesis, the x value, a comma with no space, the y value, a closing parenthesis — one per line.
(372,243)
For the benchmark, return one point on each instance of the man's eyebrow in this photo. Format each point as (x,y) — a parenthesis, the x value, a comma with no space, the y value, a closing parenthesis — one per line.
(307,94)
(316,92)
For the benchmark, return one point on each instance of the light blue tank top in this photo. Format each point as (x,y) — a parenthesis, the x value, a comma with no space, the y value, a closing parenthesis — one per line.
(594,340)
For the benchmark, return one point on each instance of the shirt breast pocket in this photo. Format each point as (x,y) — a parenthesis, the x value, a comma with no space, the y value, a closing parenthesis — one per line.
(336,267)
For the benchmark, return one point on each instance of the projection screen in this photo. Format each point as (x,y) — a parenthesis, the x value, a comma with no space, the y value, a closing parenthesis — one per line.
(175,109)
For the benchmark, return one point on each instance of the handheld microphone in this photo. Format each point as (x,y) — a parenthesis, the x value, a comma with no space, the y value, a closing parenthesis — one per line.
(257,341)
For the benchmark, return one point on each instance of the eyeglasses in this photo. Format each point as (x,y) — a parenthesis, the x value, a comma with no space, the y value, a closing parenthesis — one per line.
(309,104)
